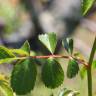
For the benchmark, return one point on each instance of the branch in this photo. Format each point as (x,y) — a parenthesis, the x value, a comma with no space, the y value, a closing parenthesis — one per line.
(62,56)
(48,56)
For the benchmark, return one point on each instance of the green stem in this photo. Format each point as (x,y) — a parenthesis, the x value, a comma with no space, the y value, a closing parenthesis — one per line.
(89,74)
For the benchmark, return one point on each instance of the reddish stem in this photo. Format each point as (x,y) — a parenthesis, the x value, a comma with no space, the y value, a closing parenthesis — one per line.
(82,62)
(61,56)
(48,56)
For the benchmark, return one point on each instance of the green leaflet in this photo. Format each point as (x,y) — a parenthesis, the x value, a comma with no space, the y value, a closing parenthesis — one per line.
(5,53)
(23,76)
(5,89)
(19,52)
(26,47)
(72,68)
(49,40)
(52,73)
(86,5)
(68,45)
(8,60)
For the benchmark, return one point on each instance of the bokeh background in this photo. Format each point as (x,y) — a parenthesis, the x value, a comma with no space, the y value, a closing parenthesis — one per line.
(22,20)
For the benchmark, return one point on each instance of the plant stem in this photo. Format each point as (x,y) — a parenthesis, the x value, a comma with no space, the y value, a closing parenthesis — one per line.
(62,56)
(48,56)
(89,73)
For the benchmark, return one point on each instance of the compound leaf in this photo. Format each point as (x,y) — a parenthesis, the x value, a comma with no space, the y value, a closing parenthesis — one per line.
(23,76)
(52,73)
(72,68)
(49,40)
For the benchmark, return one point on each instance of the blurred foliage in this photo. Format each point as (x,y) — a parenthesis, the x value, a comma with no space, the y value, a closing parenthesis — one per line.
(9,17)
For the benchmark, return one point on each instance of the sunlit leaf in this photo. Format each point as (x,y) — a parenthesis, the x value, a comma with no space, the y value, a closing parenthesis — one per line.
(9,60)
(26,47)
(49,40)
(86,5)
(52,73)
(72,68)
(5,53)
(23,76)
(5,89)
(19,52)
